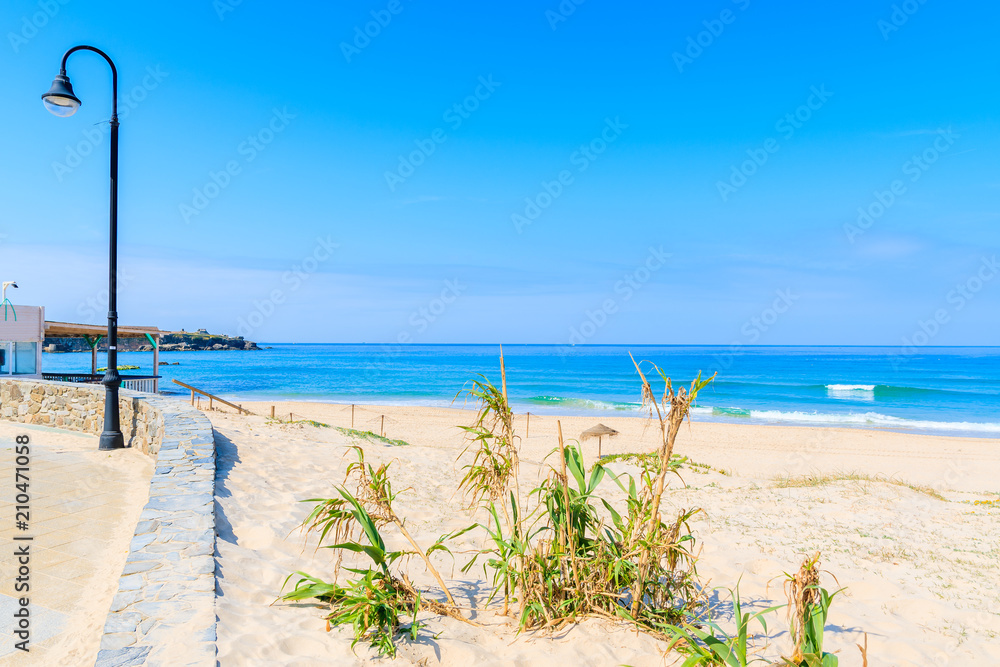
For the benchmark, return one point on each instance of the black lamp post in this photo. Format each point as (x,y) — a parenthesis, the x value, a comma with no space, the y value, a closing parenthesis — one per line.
(61,101)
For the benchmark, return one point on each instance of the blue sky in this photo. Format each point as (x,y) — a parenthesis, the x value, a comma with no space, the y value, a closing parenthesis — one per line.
(638,144)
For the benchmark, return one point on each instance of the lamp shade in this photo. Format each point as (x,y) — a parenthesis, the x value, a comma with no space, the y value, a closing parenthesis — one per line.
(60,99)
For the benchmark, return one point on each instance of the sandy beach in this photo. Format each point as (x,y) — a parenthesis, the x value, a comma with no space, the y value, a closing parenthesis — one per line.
(895,516)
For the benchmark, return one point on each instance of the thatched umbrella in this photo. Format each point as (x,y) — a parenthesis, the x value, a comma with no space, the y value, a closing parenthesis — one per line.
(598,432)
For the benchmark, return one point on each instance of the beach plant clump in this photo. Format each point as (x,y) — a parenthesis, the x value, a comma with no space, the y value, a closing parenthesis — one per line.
(376,600)
(564,551)
(495,446)
(808,608)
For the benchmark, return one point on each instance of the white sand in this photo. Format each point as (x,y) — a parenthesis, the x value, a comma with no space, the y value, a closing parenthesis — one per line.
(922,575)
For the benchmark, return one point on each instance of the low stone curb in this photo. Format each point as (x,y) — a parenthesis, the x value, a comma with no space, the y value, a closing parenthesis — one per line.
(164,612)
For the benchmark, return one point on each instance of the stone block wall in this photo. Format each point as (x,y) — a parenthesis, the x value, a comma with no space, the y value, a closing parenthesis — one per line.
(79,407)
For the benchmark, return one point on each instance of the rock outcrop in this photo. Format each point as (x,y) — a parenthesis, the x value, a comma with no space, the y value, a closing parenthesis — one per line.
(169,342)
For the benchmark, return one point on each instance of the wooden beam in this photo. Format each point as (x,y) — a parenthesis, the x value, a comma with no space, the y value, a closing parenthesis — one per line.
(194,390)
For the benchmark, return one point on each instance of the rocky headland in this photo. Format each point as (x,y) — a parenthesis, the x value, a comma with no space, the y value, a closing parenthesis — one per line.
(172,341)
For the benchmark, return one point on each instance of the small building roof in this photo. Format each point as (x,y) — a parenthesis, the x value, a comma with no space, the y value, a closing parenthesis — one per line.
(73,330)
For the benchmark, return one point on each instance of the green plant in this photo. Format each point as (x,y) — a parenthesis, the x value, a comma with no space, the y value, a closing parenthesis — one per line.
(491,437)
(707,647)
(671,411)
(371,604)
(809,606)
(375,601)
(493,472)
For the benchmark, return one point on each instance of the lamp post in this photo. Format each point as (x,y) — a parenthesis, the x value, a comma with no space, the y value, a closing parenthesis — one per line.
(61,101)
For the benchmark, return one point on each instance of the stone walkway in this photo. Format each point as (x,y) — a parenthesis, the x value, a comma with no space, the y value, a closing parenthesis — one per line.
(84,507)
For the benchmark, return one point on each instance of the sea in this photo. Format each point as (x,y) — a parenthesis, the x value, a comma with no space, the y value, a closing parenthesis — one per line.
(939,390)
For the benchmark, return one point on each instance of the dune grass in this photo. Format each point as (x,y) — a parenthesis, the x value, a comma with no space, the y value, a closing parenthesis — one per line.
(371,437)
(650,460)
(354,434)
(821,480)
(310,422)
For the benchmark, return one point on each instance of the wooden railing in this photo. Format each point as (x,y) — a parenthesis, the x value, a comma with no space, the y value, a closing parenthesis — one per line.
(211,398)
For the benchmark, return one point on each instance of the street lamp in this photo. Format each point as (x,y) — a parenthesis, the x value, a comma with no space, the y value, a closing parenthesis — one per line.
(61,101)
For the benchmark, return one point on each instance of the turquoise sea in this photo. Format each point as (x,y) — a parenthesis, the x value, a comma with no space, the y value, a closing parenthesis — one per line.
(948,390)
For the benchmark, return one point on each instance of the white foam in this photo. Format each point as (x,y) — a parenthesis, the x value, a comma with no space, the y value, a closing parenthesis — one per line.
(854,392)
(871,419)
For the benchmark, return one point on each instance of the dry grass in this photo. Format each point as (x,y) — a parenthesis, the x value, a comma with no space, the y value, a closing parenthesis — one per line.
(821,480)
(802,590)
(651,461)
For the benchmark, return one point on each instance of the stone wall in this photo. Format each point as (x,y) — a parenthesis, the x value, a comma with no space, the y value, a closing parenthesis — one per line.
(164,611)
(79,407)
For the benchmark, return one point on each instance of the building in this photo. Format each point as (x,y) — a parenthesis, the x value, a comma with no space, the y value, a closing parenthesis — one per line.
(23,330)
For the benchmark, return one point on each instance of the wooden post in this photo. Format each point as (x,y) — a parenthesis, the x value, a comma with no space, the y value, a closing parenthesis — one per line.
(272,412)
(290,417)
(598,448)
(192,397)
(209,402)
(352,416)
(527,427)
(503,375)
(381,431)
(199,403)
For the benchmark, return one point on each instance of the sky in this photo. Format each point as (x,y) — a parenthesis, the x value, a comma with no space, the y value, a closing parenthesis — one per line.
(727,172)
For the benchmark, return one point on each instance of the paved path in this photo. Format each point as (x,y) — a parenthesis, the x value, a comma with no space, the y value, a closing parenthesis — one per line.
(84,507)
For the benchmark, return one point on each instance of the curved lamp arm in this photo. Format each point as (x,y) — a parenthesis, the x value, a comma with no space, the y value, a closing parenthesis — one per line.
(114,74)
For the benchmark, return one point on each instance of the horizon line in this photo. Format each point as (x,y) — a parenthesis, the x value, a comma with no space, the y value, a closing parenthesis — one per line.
(585,345)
